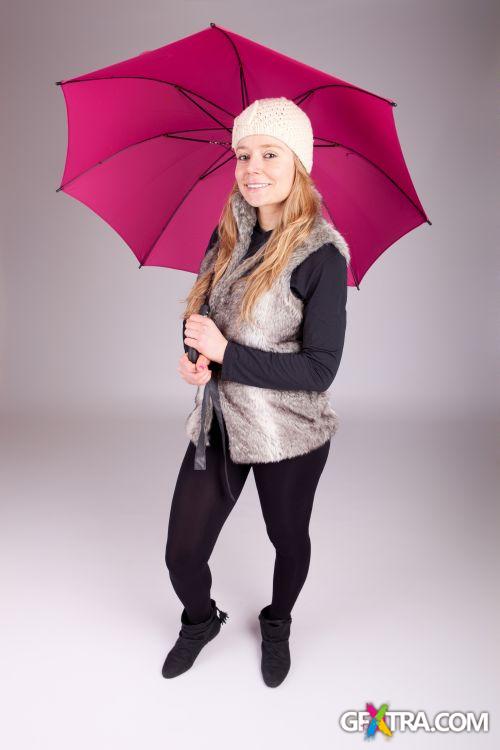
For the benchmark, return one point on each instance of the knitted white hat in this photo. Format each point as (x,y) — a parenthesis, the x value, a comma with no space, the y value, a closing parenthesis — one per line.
(281,118)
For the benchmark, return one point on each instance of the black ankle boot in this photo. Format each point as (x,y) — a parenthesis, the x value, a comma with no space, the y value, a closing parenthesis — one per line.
(192,638)
(275,661)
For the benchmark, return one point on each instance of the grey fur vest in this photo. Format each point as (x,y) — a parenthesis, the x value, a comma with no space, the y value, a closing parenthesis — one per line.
(264,424)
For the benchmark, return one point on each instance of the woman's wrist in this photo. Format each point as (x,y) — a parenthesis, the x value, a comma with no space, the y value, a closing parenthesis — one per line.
(220,356)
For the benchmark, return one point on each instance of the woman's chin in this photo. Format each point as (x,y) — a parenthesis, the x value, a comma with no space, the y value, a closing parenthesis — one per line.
(256,200)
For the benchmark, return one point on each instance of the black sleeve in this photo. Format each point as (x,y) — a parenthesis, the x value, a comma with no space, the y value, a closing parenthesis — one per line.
(321,281)
(211,241)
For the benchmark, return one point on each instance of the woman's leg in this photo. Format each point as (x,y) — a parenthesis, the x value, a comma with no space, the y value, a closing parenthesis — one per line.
(286,490)
(200,506)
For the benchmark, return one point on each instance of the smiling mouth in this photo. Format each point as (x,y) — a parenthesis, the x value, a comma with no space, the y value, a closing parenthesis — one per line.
(261,187)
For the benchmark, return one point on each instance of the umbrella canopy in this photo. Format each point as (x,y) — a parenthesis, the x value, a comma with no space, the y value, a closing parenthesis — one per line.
(149,147)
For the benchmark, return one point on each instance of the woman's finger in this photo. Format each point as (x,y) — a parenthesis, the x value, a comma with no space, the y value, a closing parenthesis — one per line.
(204,378)
(198,378)
(202,360)
(186,364)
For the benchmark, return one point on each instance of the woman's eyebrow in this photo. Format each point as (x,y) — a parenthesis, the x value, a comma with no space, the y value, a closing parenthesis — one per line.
(264,145)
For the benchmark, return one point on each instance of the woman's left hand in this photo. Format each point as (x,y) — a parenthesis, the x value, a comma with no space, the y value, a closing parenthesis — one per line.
(202,333)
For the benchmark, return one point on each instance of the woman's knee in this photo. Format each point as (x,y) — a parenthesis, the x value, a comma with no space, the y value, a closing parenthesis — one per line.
(292,546)
(183,560)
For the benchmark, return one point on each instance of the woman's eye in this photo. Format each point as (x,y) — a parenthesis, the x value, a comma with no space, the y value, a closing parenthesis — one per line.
(267,152)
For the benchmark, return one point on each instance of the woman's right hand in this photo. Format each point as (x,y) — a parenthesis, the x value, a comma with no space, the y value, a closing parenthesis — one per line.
(194,373)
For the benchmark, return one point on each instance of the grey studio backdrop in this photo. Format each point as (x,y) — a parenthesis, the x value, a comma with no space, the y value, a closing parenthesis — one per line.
(401,601)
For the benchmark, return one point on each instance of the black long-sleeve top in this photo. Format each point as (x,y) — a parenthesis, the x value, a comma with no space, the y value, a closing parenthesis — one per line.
(321,282)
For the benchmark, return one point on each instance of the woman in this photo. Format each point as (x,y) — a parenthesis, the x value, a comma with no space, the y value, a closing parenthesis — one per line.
(275,278)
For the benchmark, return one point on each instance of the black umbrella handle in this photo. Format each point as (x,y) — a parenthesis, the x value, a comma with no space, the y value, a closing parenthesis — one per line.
(193,353)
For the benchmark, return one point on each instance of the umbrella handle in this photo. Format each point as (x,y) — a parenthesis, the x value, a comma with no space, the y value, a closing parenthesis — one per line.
(193,353)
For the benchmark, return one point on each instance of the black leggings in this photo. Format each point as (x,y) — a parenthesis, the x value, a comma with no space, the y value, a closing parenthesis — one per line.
(200,506)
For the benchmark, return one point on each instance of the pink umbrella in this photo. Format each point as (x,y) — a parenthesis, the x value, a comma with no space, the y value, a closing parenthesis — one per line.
(149,147)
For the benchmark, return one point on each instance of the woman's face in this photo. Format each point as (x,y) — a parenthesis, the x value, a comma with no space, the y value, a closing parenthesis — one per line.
(264,159)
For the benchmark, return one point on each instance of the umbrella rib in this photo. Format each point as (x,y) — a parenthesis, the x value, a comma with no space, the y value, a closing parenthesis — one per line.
(214,169)
(334,144)
(148,78)
(131,145)
(198,140)
(243,84)
(299,98)
(200,177)
(179,88)
(174,133)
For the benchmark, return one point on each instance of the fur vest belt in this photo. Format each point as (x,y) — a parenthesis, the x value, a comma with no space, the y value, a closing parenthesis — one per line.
(263,424)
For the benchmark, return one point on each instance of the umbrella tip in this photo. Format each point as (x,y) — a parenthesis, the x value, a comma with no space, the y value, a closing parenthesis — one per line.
(58,83)
(212,24)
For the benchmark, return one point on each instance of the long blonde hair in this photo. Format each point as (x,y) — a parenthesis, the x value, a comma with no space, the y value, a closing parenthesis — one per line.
(296,221)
